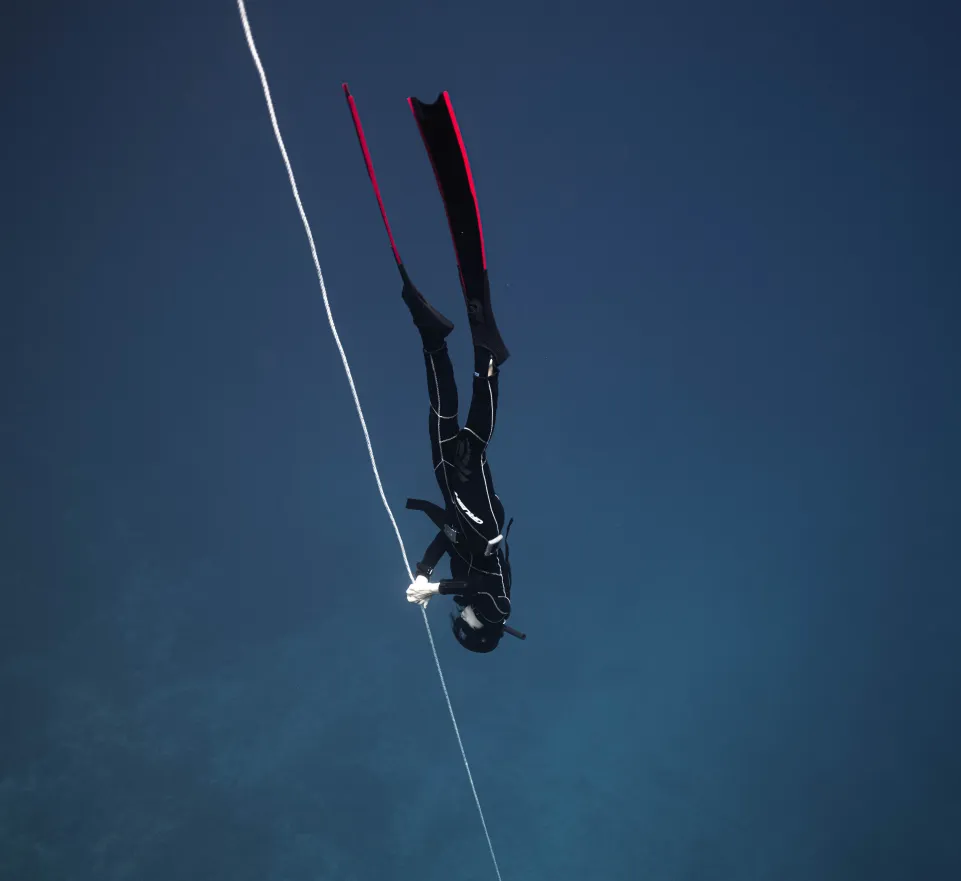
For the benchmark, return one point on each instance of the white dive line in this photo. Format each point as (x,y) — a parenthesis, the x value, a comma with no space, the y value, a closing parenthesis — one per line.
(360,413)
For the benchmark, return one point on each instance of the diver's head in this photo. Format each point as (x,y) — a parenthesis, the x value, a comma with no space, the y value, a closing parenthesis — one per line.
(474,635)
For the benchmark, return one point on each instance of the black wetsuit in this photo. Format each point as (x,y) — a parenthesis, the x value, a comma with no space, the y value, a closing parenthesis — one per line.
(473,514)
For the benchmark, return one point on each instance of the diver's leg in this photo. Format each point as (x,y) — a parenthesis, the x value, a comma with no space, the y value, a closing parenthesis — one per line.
(443,427)
(482,514)
(483,405)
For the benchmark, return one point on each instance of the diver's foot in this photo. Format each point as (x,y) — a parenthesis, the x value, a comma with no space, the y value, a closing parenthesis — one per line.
(484,332)
(483,327)
(433,326)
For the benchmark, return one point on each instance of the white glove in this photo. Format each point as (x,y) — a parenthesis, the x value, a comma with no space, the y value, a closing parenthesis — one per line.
(421,591)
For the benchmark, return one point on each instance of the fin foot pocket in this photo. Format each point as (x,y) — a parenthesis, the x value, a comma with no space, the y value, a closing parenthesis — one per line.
(434,327)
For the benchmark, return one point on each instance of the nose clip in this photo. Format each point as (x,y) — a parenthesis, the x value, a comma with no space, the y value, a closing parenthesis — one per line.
(492,545)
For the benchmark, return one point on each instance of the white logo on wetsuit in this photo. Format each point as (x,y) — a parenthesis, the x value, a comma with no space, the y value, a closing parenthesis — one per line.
(467,510)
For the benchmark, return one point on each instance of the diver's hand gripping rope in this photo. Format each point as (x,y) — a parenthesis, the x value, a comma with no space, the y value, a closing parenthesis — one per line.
(360,413)
(422,591)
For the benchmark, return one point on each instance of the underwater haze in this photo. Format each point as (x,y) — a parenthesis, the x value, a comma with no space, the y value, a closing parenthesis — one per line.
(723,245)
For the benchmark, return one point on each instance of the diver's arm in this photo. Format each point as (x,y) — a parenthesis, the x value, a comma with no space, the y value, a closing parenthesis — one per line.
(435,550)
(449,587)
(423,589)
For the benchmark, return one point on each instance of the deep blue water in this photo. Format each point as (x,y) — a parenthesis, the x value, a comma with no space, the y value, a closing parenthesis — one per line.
(723,242)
